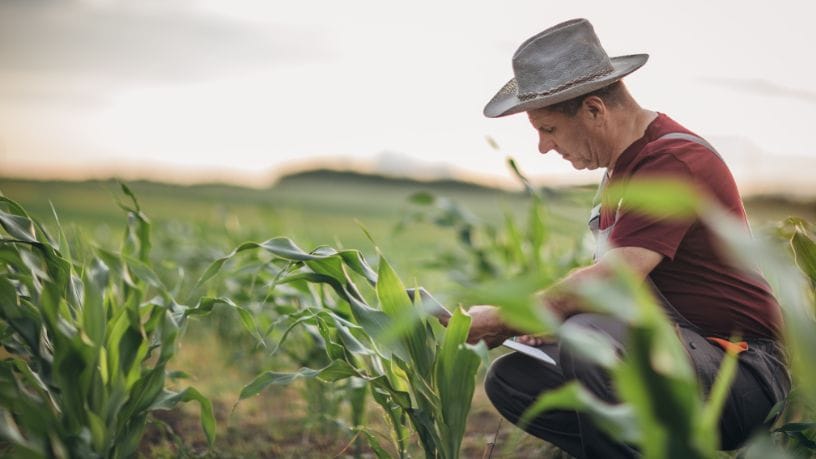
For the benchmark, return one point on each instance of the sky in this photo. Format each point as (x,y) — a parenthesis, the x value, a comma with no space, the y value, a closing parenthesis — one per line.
(241,91)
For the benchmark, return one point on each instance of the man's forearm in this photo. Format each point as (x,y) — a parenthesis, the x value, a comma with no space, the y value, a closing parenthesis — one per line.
(562,298)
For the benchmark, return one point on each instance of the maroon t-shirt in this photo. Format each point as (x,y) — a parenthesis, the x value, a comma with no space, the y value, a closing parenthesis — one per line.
(694,276)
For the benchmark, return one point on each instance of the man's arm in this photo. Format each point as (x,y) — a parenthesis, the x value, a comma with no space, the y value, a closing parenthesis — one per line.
(486,323)
(641,261)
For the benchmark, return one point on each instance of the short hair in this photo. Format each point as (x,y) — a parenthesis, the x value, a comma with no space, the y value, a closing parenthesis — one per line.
(611,95)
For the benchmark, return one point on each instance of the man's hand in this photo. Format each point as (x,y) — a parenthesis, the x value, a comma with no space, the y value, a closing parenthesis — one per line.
(485,325)
(535,340)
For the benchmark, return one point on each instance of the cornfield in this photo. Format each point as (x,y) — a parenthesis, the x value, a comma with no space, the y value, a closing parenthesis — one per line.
(89,333)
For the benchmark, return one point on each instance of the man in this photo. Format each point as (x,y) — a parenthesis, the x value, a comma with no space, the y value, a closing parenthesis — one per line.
(574,98)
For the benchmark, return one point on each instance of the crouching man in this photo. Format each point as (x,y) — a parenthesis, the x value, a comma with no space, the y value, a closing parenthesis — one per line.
(575,99)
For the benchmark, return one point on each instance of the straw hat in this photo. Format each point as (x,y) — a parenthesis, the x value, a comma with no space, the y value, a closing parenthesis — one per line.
(560,63)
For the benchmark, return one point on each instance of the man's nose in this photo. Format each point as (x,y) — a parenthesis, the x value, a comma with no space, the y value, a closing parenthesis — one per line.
(545,145)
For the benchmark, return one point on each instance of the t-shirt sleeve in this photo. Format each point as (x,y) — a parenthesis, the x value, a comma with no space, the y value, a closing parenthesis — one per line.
(663,234)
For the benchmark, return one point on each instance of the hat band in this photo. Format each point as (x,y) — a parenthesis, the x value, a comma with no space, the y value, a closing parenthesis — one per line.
(532,95)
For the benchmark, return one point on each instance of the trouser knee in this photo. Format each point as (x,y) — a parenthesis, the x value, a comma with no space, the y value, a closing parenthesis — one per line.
(514,381)
(499,390)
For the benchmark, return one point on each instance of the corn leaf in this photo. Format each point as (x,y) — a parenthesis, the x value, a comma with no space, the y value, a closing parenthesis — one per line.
(336,370)
(168,400)
(455,374)
(396,303)
(658,198)
(616,420)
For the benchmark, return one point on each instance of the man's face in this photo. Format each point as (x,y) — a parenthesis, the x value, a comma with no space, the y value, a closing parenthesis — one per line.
(570,136)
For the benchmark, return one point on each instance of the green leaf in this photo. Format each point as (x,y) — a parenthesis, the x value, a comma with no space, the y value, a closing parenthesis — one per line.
(35,383)
(797,427)
(618,421)
(374,444)
(776,410)
(268,378)
(94,315)
(168,400)
(205,306)
(659,198)
(145,392)
(23,318)
(350,342)
(537,231)
(11,433)
(519,175)
(128,193)
(18,227)
(396,303)
(358,388)
(517,301)
(142,271)
(137,236)
(396,416)
(717,397)
(373,321)
(355,260)
(590,345)
(336,370)
(456,366)
(422,198)
(283,248)
(98,431)
(804,247)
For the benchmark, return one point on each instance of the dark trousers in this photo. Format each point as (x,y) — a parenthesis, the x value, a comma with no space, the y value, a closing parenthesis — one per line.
(514,381)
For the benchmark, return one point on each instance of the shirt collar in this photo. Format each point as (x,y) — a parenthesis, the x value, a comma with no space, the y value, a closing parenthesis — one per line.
(652,132)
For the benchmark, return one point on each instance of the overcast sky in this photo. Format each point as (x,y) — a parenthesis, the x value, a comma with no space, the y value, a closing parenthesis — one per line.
(234,90)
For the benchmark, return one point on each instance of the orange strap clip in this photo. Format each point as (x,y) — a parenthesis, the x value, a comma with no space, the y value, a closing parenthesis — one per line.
(728,346)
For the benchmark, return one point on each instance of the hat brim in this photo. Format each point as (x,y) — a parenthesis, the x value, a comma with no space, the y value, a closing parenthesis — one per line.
(506,101)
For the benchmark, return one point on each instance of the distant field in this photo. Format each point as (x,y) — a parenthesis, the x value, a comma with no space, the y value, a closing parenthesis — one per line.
(317,208)
(313,209)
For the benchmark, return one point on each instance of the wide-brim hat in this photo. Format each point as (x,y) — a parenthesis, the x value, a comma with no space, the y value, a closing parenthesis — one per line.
(558,64)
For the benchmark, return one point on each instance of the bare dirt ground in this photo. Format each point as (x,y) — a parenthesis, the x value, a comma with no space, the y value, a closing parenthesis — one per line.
(273,425)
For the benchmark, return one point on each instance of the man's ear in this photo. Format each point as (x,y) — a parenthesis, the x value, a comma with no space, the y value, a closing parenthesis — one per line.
(594,108)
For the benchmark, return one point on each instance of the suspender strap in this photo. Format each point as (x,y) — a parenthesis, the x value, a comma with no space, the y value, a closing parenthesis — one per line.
(690,138)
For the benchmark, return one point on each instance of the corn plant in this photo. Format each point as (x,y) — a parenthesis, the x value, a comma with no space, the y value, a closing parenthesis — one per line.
(86,342)
(252,280)
(375,331)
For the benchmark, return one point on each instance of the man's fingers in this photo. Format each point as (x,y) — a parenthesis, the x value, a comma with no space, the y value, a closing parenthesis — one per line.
(531,340)
(527,339)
